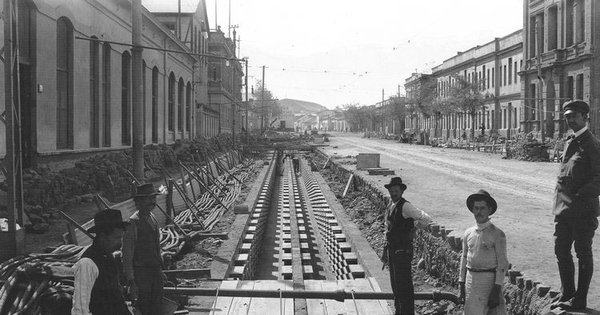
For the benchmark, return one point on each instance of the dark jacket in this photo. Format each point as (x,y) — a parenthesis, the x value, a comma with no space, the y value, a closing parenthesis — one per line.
(107,294)
(578,184)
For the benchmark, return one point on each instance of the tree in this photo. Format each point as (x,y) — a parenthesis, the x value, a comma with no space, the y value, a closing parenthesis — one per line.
(265,104)
(466,97)
(398,108)
(421,97)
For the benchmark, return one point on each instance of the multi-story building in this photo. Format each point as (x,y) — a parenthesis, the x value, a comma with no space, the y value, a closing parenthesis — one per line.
(560,62)
(190,25)
(494,68)
(225,81)
(75,79)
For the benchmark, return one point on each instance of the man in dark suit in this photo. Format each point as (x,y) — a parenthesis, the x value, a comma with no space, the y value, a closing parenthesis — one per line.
(576,206)
(400,219)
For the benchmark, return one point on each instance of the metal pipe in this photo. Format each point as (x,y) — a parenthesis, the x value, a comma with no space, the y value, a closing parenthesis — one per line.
(338,295)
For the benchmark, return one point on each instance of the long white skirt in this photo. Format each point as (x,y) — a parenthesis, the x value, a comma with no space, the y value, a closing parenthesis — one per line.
(478,287)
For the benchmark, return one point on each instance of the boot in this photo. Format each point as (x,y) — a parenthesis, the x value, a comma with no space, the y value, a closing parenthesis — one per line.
(579,300)
(566,270)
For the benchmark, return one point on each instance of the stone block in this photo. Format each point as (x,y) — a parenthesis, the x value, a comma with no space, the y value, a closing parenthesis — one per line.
(367,160)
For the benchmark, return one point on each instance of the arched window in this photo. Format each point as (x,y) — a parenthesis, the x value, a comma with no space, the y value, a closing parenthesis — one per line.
(171,110)
(188,107)
(94,93)
(180,94)
(106,77)
(125,97)
(155,105)
(64,83)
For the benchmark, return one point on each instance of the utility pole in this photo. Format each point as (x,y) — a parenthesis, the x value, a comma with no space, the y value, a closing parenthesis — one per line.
(233,111)
(12,161)
(262,102)
(540,79)
(381,111)
(137,91)
(247,103)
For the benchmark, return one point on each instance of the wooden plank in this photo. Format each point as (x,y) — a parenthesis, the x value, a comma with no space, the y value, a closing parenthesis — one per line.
(333,306)
(385,304)
(363,306)
(222,305)
(272,306)
(314,306)
(240,305)
(348,185)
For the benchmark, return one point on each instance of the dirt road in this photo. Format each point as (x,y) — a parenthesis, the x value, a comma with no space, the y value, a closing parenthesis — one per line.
(439,181)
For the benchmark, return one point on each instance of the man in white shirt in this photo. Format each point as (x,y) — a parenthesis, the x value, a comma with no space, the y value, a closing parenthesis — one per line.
(98,289)
(400,227)
(484,262)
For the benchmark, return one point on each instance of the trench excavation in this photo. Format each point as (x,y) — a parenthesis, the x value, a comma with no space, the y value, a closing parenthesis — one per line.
(292,233)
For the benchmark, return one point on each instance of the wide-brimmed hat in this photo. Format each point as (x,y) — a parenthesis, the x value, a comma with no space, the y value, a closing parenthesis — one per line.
(106,218)
(395,181)
(146,190)
(576,106)
(482,195)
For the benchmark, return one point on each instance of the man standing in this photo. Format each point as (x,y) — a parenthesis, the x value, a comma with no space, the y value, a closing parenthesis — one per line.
(484,262)
(142,263)
(576,206)
(398,252)
(98,290)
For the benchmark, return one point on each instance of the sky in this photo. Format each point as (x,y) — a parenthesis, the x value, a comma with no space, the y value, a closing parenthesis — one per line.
(338,52)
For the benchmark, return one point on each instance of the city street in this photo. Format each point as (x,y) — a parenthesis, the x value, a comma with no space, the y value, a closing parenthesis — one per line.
(440,179)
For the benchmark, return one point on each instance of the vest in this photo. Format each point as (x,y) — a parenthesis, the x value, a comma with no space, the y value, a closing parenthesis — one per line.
(147,246)
(399,230)
(107,294)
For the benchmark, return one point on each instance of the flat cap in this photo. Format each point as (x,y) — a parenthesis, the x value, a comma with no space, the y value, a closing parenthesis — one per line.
(576,106)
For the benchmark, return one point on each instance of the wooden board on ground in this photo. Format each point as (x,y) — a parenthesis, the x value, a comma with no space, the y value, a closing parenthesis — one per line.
(363,306)
(272,306)
(348,185)
(381,171)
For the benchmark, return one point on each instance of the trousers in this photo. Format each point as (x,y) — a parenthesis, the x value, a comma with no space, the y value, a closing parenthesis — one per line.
(150,282)
(401,280)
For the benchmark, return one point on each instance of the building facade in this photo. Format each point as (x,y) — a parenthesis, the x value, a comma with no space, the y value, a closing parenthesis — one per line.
(494,68)
(225,82)
(75,79)
(560,62)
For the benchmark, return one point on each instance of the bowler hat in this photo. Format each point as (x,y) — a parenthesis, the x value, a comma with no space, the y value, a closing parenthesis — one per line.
(146,190)
(482,195)
(106,218)
(395,181)
(577,106)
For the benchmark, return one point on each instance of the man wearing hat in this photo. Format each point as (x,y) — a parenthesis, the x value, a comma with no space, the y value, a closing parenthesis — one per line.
(484,262)
(576,206)
(400,220)
(98,288)
(142,262)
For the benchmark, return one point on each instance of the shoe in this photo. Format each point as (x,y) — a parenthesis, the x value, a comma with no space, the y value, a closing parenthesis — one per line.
(573,304)
(563,299)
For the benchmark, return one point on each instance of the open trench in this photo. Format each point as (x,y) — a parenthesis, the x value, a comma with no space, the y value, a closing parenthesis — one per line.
(292,233)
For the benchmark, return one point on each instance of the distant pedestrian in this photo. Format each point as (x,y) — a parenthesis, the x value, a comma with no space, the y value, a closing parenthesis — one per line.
(400,220)
(98,289)
(576,206)
(296,164)
(484,261)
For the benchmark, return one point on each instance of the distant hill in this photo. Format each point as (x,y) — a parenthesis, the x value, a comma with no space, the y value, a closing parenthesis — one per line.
(301,107)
